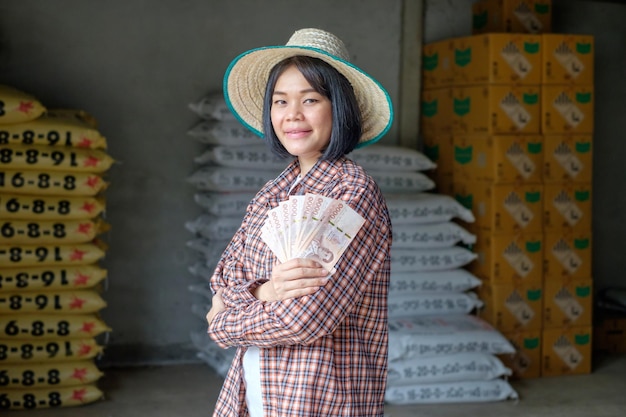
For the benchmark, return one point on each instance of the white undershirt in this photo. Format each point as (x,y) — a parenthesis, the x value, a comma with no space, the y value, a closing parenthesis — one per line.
(252,378)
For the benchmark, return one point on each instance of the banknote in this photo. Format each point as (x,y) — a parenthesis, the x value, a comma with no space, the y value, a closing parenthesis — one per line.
(311,226)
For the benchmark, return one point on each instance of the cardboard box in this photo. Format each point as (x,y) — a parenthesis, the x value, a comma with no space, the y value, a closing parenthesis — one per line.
(440,150)
(498,159)
(517,16)
(437,64)
(436,112)
(610,335)
(512,306)
(497,58)
(567,255)
(566,351)
(567,303)
(502,208)
(526,361)
(567,158)
(496,109)
(567,206)
(567,109)
(508,258)
(567,59)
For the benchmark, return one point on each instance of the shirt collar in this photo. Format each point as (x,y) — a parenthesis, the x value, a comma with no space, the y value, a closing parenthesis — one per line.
(313,182)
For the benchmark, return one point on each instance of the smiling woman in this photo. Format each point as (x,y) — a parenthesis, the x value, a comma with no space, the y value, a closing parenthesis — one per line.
(304,326)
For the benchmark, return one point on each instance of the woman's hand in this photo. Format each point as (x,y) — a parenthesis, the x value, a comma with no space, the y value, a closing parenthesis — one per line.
(294,278)
(217,306)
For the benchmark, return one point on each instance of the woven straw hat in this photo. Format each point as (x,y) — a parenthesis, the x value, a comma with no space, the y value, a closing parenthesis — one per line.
(246,78)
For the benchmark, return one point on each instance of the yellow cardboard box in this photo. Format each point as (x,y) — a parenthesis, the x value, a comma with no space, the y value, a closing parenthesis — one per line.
(508,257)
(498,159)
(440,150)
(567,59)
(567,109)
(567,303)
(526,361)
(566,351)
(437,64)
(567,206)
(497,58)
(496,109)
(436,111)
(567,254)
(510,307)
(567,158)
(502,208)
(517,16)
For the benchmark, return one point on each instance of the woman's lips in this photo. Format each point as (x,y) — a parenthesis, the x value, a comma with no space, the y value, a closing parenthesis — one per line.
(297,133)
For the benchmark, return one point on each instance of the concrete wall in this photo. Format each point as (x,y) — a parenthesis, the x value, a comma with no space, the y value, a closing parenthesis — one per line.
(605,21)
(135,65)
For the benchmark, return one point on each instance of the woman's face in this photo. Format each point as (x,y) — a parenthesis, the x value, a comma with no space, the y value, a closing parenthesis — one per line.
(301,117)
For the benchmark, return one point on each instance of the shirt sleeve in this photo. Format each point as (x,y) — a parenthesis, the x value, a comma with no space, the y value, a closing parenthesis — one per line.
(302,320)
(229,274)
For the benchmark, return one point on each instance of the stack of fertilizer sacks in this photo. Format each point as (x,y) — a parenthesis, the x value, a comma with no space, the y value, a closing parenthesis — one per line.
(234,165)
(51,179)
(438,351)
(507,114)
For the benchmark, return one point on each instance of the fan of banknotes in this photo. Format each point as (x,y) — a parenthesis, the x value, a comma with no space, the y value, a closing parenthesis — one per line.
(311,226)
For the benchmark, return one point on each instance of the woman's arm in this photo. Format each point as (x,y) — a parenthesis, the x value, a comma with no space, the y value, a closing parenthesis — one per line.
(303,319)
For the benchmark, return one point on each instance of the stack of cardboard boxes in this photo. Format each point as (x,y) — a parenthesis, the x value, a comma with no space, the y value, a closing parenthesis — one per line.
(508,118)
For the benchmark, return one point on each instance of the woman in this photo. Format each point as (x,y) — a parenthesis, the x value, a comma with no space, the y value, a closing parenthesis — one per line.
(309,343)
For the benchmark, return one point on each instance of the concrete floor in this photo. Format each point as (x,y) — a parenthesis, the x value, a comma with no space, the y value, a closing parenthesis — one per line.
(191,390)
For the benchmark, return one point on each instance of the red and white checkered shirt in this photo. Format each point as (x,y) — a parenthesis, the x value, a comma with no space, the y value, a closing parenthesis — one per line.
(320,355)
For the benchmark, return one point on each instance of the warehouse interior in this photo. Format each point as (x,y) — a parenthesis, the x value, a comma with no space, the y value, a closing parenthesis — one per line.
(138,66)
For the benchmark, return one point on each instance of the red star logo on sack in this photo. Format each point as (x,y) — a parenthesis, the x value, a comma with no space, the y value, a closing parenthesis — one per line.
(84,350)
(80,374)
(91,161)
(84,228)
(92,182)
(77,255)
(79,394)
(81,279)
(88,207)
(85,143)
(25,106)
(77,303)
(88,327)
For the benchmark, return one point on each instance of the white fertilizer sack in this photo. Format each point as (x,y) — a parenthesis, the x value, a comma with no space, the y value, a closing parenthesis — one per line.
(229,179)
(246,157)
(214,228)
(432,235)
(475,366)
(212,107)
(451,392)
(417,260)
(224,204)
(391,158)
(433,303)
(453,280)
(423,336)
(225,133)
(402,182)
(425,208)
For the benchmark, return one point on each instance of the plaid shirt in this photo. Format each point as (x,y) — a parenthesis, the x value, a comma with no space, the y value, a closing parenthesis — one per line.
(323,354)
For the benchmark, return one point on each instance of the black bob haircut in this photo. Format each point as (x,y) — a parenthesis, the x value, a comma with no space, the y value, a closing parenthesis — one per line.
(327,81)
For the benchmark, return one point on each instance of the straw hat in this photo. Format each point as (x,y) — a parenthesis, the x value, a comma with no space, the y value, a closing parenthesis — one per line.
(246,78)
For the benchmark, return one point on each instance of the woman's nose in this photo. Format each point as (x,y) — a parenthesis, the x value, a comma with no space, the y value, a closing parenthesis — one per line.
(294,111)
